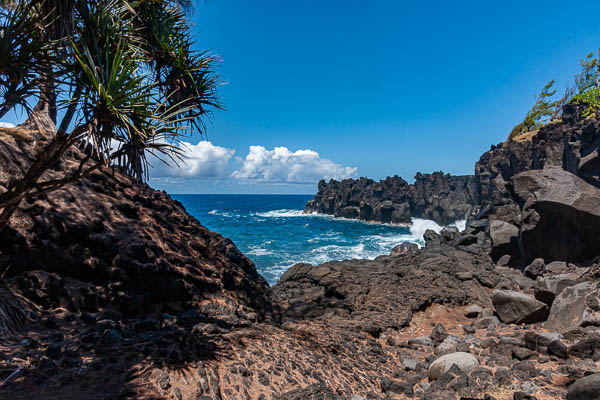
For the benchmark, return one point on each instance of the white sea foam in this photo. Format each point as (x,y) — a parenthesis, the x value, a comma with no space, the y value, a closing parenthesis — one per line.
(322,255)
(259,251)
(284,213)
(220,213)
(419,226)
(461,225)
(385,243)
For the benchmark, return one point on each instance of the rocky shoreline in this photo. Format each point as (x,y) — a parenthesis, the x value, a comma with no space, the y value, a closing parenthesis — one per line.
(130,297)
(440,197)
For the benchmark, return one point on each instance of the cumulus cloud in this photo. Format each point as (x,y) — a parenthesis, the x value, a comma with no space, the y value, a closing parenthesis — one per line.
(283,166)
(6,125)
(202,160)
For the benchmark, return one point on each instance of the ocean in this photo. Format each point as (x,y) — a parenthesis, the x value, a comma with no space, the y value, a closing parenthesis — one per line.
(272,231)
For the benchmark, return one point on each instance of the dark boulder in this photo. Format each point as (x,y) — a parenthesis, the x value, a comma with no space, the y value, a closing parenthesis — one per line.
(546,289)
(588,347)
(504,238)
(576,306)
(405,248)
(586,388)
(516,307)
(535,269)
(560,215)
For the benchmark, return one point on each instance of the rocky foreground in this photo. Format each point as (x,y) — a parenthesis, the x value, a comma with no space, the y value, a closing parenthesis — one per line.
(130,297)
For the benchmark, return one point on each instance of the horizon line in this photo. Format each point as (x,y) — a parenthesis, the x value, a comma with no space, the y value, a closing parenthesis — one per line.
(252,194)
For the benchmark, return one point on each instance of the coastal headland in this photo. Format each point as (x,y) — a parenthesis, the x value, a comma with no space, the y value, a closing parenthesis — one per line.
(128,296)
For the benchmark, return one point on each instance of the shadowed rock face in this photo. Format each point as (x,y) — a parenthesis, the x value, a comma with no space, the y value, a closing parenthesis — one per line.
(560,215)
(542,194)
(571,144)
(440,197)
(124,247)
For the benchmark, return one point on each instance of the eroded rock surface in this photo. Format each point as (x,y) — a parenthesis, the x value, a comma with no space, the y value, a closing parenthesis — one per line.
(380,294)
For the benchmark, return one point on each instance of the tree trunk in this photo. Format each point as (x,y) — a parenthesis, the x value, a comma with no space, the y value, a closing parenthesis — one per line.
(43,116)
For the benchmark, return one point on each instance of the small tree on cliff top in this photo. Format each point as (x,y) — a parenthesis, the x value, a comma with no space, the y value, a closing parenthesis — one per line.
(540,113)
(122,74)
(588,77)
(585,90)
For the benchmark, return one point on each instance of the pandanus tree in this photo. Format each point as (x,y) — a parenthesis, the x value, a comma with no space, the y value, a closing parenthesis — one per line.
(122,78)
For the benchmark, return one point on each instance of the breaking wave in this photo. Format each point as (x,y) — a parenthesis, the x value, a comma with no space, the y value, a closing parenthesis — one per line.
(275,234)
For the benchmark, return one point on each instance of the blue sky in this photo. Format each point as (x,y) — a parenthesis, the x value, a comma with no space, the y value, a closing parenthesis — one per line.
(375,88)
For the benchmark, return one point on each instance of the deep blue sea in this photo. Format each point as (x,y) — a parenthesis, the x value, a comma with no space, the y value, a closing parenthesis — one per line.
(273,232)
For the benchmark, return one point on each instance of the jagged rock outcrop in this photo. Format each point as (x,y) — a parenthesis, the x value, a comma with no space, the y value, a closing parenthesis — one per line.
(560,216)
(571,144)
(106,243)
(440,197)
(533,214)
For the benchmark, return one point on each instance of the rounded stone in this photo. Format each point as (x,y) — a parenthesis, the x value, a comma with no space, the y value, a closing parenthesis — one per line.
(473,311)
(464,361)
(585,388)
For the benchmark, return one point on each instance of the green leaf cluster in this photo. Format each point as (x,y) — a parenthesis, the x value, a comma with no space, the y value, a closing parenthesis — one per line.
(125,74)
(540,113)
(586,91)
(591,99)
(590,70)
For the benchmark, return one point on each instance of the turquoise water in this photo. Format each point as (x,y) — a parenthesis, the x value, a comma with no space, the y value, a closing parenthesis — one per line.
(272,231)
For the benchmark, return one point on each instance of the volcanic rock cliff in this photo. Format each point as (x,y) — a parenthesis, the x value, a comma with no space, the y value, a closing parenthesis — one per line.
(440,197)
(126,247)
(535,196)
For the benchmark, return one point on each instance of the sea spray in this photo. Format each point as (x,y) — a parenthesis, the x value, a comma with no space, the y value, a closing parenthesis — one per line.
(274,233)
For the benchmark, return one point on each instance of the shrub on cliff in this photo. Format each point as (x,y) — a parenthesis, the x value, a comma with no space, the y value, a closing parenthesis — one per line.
(588,86)
(591,101)
(122,74)
(586,91)
(590,70)
(540,113)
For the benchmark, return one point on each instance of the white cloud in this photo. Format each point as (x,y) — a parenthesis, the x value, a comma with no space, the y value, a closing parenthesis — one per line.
(6,125)
(202,160)
(283,166)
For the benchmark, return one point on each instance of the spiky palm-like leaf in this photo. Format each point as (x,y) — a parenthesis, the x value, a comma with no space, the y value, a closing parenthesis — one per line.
(24,58)
(125,75)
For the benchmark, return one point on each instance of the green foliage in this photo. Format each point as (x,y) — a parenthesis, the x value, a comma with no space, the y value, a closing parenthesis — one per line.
(587,87)
(588,77)
(591,99)
(124,73)
(24,58)
(540,113)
